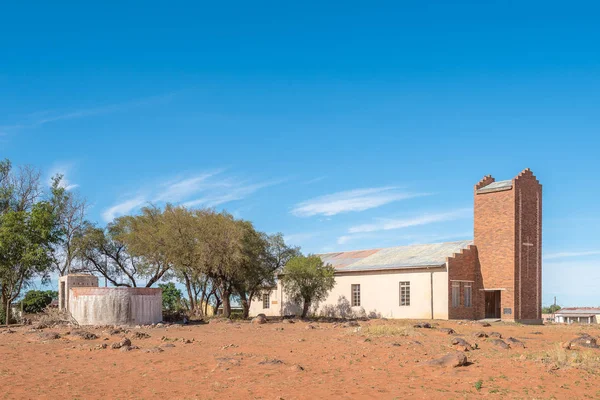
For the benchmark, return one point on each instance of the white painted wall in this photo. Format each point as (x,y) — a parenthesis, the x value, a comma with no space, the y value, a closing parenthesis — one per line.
(380,294)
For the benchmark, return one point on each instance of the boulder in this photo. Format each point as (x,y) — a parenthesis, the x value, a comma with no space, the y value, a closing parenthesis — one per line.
(584,340)
(480,334)
(425,325)
(259,319)
(451,360)
(141,335)
(125,342)
(49,336)
(461,344)
(153,350)
(447,331)
(85,335)
(484,324)
(515,343)
(500,343)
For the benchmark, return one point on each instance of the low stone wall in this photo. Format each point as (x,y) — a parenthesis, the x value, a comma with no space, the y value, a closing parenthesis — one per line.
(115,306)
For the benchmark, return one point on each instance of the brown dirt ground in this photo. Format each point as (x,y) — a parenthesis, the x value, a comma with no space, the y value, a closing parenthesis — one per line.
(382,360)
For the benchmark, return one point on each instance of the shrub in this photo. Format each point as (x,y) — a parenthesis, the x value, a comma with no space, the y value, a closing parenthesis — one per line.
(35,301)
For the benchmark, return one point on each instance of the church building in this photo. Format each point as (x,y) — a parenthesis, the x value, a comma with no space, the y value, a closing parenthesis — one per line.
(496,275)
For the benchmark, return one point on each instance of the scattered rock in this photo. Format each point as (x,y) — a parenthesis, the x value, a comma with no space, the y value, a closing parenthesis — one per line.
(141,335)
(448,331)
(101,346)
(310,327)
(515,343)
(259,319)
(350,324)
(8,331)
(272,361)
(297,367)
(288,321)
(167,345)
(85,335)
(426,325)
(584,340)
(484,324)
(480,334)
(495,334)
(128,348)
(116,331)
(153,350)
(49,336)
(40,325)
(537,333)
(461,344)
(160,325)
(396,344)
(500,343)
(125,342)
(455,359)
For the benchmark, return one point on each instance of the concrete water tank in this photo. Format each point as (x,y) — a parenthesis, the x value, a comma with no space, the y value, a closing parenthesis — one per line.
(89,304)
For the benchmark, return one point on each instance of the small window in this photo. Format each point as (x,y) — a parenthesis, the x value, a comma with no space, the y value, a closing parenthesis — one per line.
(266,300)
(468,293)
(455,294)
(355,295)
(405,293)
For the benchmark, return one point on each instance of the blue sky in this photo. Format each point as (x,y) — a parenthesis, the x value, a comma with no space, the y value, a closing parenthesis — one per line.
(343,125)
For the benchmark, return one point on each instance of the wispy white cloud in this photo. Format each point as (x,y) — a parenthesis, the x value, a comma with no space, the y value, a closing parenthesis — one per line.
(351,201)
(296,238)
(398,240)
(123,208)
(390,224)
(315,180)
(63,169)
(553,256)
(40,118)
(207,189)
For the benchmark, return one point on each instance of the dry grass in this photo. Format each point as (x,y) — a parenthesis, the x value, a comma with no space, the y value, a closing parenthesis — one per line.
(54,316)
(388,330)
(588,360)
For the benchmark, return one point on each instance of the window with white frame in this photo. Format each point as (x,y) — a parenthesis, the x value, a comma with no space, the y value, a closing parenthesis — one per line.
(455,294)
(355,295)
(468,294)
(405,293)
(266,300)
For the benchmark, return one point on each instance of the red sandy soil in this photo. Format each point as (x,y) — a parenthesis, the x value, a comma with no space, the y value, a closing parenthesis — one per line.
(223,361)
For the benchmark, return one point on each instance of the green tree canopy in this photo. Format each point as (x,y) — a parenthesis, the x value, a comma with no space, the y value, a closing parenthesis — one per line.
(307,280)
(36,301)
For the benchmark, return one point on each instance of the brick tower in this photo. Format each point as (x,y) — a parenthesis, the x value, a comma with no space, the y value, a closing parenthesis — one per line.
(508,236)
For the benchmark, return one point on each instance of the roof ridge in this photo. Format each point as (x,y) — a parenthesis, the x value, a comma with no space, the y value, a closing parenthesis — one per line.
(393,247)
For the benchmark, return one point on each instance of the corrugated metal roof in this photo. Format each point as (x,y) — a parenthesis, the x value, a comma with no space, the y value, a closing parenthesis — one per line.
(496,186)
(413,256)
(578,311)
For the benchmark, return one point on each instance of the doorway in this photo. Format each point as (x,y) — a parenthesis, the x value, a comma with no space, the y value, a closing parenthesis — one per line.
(492,304)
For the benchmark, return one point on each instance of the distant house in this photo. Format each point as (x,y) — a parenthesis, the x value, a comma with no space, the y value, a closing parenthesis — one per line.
(578,315)
(496,275)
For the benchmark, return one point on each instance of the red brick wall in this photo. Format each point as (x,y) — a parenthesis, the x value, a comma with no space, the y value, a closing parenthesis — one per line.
(504,222)
(464,266)
(494,234)
(528,254)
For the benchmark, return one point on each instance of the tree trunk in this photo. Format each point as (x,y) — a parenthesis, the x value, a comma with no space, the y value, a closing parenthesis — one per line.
(226,304)
(245,306)
(188,287)
(305,308)
(7,311)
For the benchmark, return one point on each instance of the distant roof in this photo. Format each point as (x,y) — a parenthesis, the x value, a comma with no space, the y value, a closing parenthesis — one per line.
(401,257)
(496,186)
(578,311)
